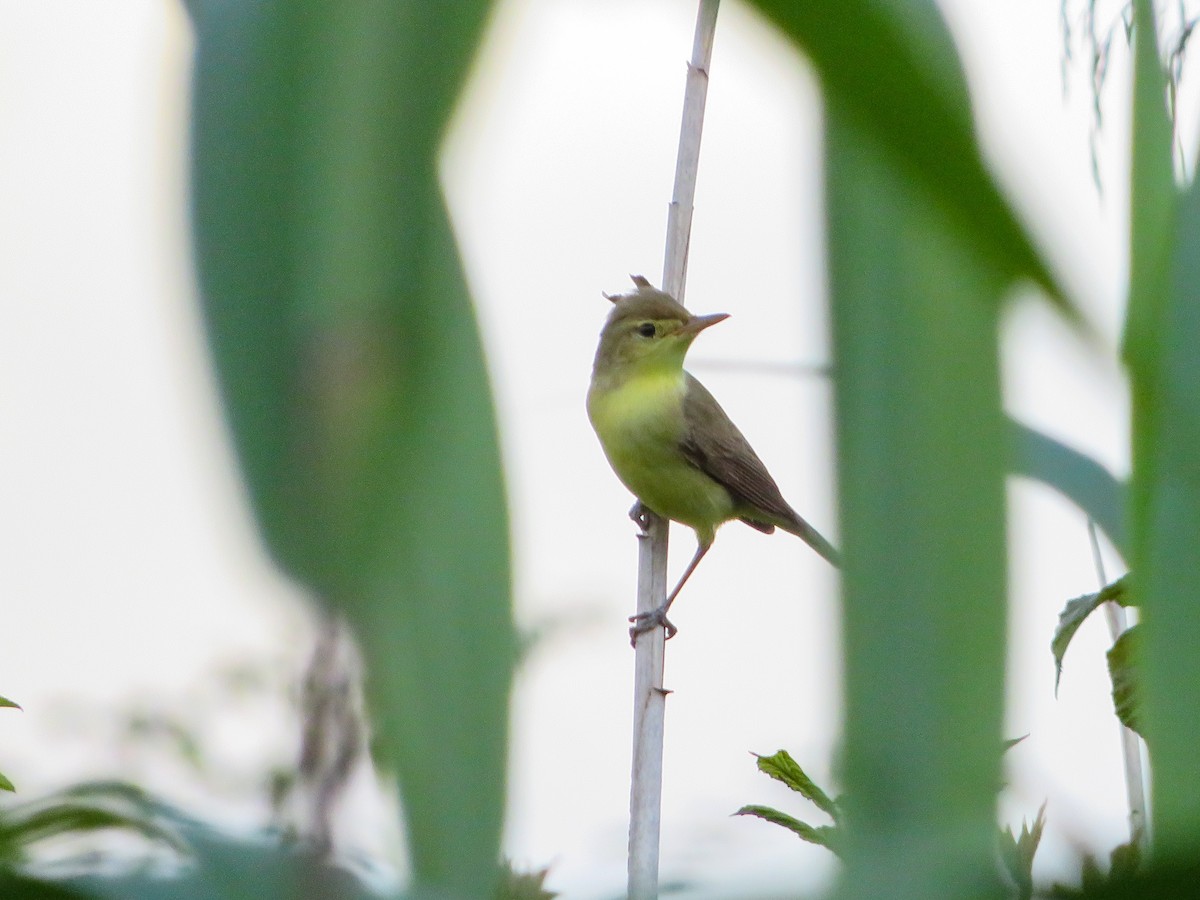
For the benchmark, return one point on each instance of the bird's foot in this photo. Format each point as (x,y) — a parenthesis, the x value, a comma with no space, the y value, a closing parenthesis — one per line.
(648,621)
(638,513)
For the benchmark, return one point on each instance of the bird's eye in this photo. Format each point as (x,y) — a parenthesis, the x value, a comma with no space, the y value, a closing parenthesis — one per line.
(646,329)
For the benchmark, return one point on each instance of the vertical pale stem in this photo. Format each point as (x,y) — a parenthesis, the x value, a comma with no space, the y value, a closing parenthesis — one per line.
(649,697)
(649,714)
(1131,744)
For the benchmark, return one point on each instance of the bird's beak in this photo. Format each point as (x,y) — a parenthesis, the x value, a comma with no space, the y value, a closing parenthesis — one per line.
(697,324)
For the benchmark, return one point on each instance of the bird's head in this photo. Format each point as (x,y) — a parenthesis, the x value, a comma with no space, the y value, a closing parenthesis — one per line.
(647,330)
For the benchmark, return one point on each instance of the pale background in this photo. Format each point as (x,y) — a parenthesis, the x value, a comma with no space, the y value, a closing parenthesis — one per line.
(130,575)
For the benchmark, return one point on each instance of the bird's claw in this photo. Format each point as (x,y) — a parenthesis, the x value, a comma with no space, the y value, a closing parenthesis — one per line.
(638,514)
(648,621)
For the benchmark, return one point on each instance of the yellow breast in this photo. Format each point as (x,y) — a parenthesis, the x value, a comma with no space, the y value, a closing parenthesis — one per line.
(641,426)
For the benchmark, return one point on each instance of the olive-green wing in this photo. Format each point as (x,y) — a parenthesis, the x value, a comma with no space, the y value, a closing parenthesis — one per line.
(714,445)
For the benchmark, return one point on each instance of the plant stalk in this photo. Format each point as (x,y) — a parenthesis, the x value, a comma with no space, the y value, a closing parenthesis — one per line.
(649,696)
(1131,744)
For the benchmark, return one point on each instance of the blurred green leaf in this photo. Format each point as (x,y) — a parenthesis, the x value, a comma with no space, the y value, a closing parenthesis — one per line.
(523,885)
(87,807)
(353,376)
(1078,609)
(1017,852)
(1125,860)
(1162,333)
(16,887)
(5,703)
(783,768)
(826,836)
(894,71)
(1077,476)
(922,462)
(1124,667)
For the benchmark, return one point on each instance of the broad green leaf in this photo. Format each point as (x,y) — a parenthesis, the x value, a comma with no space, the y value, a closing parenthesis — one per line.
(1017,853)
(5,703)
(922,458)
(827,836)
(1124,667)
(783,768)
(353,377)
(1076,476)
(1079,609)
(1162,334)
(893,70)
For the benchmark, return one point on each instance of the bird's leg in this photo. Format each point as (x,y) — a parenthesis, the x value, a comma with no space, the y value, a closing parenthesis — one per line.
(657,618)
(637,512)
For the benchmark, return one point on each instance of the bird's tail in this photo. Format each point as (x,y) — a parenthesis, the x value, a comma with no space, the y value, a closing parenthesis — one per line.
(814,539)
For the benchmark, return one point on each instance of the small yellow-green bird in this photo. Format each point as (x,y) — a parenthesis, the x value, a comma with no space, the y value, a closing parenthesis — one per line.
(668,439)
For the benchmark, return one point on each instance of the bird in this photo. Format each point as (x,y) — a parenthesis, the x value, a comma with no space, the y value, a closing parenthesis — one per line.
(670,442)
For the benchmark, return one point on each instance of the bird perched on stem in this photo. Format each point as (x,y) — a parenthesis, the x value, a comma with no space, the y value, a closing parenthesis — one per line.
(668,439)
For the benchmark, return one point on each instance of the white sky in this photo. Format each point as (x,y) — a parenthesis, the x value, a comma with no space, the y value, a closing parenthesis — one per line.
(128,567)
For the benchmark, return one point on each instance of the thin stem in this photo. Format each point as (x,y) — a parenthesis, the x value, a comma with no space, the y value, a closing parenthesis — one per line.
(649,696)
(1131,744)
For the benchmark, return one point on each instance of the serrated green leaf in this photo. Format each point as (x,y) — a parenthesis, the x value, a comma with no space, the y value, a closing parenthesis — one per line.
(827,836)
(783,768)
(1077,610)
(1124,667)
(1076,476)
(1017,852)
(523,885)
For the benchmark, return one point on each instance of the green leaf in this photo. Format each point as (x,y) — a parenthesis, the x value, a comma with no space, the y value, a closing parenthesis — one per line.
(1076,476)
(83,808)
(1017,852)
(1125,860)
(1009,743)
(6,703)
(783,768)
(1124,667)
(827,836)
(1162,334)
(523,885)
(16,887)
(891,67)
(922,459)
(353,378)
(5,784)
(1078,609)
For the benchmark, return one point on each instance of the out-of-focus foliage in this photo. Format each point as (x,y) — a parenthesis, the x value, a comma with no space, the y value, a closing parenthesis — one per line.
(353,377)
(1162,333)
(1017,852)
